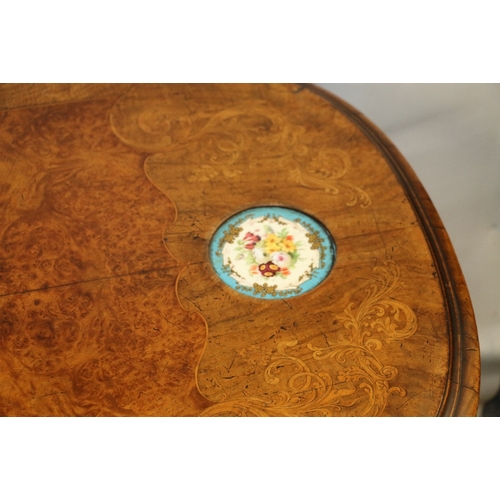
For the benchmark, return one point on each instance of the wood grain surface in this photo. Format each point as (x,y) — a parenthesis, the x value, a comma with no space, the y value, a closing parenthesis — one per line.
(109,305)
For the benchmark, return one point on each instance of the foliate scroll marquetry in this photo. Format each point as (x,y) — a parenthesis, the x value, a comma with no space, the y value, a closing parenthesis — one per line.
(325,172)
(234,142)
(355,380)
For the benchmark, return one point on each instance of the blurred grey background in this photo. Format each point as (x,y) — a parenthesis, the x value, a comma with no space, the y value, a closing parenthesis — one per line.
(450,135)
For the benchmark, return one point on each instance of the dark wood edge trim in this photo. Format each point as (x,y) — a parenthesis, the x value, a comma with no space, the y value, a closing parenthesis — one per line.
(462,392)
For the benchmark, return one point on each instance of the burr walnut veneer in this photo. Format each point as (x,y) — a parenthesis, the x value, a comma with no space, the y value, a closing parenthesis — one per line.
(110,304)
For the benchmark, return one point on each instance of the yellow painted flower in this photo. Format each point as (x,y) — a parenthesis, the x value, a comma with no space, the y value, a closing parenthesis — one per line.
(288,246)
(272,247)
(272,239)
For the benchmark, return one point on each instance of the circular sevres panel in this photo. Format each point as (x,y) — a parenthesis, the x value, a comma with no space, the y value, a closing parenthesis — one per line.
(272,252)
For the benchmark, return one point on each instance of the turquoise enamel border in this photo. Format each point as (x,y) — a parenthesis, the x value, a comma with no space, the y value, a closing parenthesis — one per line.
(228,231)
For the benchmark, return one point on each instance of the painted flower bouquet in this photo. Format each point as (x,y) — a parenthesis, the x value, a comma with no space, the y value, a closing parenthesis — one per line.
(272,252)
(268,252)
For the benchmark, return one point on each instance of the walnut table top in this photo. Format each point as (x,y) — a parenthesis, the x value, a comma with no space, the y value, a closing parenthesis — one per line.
(212,250)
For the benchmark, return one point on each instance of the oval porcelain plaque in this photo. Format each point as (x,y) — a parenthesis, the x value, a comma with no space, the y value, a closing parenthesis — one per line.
(272,252)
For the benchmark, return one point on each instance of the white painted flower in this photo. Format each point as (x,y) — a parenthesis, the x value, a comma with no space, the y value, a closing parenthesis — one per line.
(281,259)
(259,256)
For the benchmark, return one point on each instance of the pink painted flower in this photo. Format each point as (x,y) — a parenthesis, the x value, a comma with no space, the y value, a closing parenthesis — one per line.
(281,259)
(251,239)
